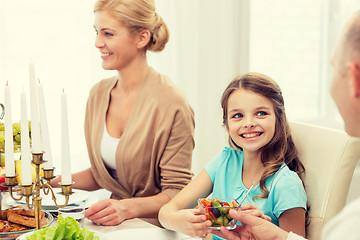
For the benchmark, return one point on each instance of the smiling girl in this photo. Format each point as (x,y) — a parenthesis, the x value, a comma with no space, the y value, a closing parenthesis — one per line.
(262,151)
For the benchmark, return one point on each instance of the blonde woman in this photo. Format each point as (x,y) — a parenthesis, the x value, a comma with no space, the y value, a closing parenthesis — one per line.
(139,126)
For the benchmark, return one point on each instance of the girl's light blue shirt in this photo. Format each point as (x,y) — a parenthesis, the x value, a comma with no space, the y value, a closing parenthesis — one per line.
(286,190)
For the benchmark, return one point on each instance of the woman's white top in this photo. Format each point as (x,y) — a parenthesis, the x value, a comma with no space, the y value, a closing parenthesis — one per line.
(108,148)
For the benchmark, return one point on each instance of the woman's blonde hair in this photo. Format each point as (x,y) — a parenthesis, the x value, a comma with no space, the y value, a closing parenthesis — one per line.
(138,15)
(281,148)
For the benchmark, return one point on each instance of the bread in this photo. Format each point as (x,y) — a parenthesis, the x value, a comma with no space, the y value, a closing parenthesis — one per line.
(19,215)
(4,226)
(3,214)
(24,220)
(30,213)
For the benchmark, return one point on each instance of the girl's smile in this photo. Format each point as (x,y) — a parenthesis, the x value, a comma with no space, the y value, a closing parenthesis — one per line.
(248,135)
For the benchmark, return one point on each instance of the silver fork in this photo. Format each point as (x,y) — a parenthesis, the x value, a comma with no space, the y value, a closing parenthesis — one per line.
(247,193)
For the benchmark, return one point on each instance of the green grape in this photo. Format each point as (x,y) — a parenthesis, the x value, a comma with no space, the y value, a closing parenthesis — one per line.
(2,127)
(17,138)
(2,163)
(17,148)
(16,126)
(2,136)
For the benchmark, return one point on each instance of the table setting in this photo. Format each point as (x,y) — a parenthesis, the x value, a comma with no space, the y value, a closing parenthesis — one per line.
(26,196)
(128,230)
(79,198)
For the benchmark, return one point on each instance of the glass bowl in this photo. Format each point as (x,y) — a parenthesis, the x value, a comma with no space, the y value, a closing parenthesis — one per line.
(218,212)
(12,235)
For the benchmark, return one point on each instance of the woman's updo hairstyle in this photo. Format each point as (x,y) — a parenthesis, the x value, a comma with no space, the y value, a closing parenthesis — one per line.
(138,15)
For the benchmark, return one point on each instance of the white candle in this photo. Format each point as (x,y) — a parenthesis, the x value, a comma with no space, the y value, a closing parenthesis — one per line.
(9,145)
(26,178)
(35,125)
(65,145)
(44,129)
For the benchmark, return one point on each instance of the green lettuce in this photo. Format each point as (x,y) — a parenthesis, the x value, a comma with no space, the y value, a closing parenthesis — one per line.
(66,228)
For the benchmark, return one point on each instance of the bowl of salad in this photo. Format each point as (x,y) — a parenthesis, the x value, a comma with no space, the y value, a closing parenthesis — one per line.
(218,212)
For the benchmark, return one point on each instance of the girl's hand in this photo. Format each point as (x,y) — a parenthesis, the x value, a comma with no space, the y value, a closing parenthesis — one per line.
(255,211)
(109,212)
(192,222)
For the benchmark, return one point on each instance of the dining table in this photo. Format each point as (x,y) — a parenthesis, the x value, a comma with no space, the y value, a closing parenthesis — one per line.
(131,229)
(135,229)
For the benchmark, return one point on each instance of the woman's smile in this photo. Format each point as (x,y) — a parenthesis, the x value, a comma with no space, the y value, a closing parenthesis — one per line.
(106,55)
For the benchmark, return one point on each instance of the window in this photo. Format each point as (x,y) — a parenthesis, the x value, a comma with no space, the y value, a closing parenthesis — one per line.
(292,42)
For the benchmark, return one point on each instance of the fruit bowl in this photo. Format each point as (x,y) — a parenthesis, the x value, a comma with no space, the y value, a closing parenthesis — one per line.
(218,212)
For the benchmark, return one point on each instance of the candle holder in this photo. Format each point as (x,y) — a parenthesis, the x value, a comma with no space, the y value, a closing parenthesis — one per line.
(33,190)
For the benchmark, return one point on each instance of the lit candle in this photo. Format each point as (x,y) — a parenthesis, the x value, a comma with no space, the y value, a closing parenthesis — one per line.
(44,128)
(65,145)
(9,145)
(26,178)
(35,125)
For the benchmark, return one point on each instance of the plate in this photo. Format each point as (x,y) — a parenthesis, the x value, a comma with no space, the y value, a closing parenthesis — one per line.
(76,197)
(101,236)
(13,235)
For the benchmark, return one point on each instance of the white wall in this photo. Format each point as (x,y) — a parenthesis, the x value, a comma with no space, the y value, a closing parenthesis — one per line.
(58,37)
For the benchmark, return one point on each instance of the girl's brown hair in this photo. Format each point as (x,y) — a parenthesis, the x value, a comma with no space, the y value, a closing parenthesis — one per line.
(281,148)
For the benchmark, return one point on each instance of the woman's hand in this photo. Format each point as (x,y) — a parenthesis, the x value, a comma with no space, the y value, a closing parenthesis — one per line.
(113,212)
(109,212)
(191,222)
(242,232)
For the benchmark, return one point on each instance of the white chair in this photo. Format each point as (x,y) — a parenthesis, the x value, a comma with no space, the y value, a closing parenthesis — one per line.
(330,157)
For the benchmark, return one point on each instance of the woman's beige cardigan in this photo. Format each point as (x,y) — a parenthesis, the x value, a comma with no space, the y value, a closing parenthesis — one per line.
(155,149)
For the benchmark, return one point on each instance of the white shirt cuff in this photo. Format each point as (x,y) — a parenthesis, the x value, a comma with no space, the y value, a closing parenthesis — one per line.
(293,236)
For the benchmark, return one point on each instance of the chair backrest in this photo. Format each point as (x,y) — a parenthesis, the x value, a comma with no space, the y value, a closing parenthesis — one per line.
(330,157)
